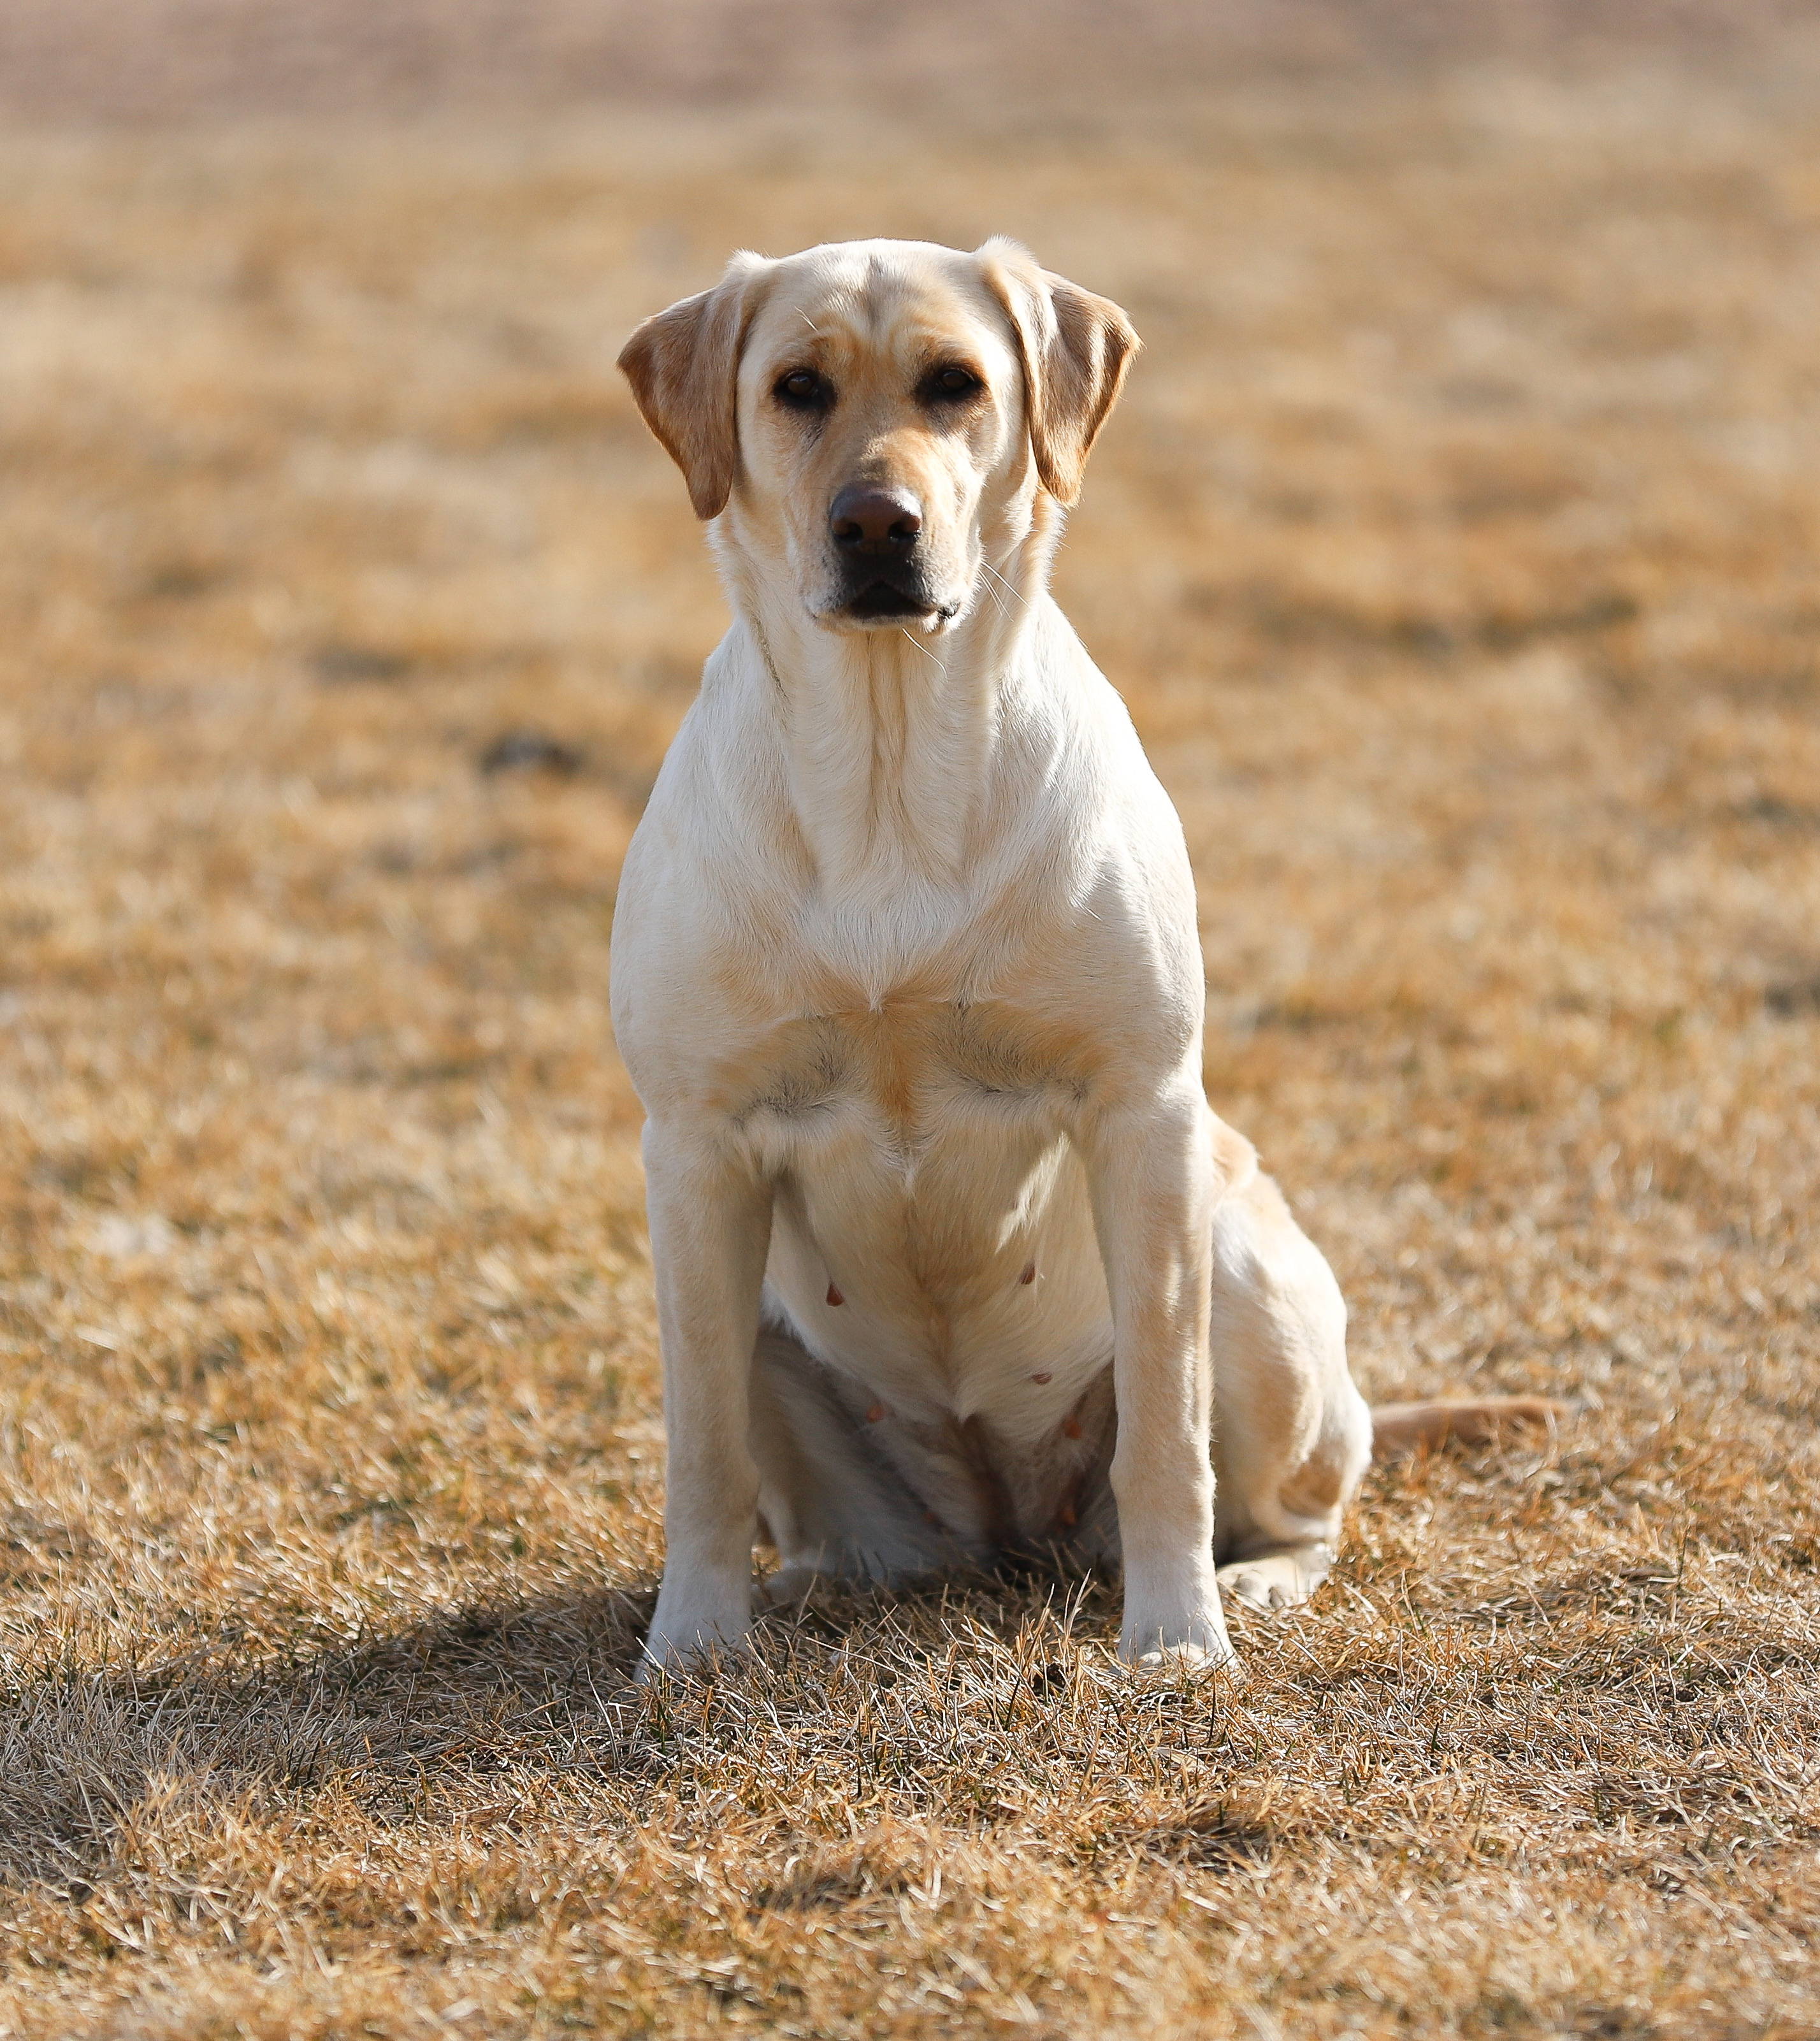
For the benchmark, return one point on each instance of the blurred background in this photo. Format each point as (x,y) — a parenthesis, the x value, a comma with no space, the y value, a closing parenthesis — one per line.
(166,61)
(1454,547)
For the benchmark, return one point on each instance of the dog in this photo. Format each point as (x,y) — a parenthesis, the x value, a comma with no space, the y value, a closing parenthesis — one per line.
(952,1257)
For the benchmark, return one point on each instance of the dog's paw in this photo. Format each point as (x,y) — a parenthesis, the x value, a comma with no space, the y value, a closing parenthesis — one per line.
(1253,1586)
(1277,1580)
(1169,1660)
(693,1654)
(689,1632)
(1189,1638)
(788,1587)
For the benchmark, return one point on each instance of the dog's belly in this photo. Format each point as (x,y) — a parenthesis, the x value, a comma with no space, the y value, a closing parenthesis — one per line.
(955,1274)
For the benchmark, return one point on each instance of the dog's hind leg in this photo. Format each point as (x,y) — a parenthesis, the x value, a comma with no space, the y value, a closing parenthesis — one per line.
(1291,1435)
(833,1504)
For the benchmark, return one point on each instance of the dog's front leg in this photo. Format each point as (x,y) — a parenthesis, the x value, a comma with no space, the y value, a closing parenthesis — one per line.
(710,1229)
(1151,1171)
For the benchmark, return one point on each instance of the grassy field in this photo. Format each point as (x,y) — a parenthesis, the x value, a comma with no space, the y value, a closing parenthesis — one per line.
(1455,548)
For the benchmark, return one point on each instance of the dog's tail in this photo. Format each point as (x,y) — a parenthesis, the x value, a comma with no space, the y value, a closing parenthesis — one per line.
(1398,1429)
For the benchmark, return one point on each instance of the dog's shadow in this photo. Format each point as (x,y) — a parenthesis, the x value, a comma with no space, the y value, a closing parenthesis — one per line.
(545,1683)
(413,1721)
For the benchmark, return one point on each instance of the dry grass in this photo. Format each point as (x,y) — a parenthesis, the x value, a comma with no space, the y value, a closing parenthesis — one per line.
(1455,549)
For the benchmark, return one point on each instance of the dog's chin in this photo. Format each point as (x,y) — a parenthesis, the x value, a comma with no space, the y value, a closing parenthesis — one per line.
(881,607)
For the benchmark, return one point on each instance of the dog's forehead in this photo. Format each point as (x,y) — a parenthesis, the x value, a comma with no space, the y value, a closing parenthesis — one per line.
(880,297)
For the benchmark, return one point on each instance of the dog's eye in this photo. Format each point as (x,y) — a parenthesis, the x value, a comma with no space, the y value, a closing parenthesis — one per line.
(803,390)
(952,383)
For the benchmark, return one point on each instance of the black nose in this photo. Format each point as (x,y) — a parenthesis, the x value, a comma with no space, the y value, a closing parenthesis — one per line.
(878,520)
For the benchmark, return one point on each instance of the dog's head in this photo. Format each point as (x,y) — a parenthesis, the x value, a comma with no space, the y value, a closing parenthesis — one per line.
(881,414)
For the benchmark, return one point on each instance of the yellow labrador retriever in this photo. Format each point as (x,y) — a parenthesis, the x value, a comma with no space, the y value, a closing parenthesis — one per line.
(952,1257)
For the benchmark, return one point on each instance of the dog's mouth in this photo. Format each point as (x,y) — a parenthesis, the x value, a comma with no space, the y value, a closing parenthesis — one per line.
(880,602)
(886,595)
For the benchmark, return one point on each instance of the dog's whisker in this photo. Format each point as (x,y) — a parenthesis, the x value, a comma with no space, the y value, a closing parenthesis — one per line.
(923,649)
(1002,582)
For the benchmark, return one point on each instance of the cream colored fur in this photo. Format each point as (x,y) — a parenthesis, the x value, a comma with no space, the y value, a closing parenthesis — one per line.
(951,1255)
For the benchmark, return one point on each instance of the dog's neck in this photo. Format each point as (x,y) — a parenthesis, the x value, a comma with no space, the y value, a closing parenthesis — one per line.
(891,738)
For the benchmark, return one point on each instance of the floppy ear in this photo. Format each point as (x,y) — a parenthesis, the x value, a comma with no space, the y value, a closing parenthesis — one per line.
(1076,350)
(683,366)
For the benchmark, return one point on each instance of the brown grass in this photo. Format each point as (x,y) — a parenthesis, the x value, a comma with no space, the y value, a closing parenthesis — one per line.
(1456,548)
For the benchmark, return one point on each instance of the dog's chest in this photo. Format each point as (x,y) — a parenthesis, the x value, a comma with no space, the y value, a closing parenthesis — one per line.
(904,1077)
